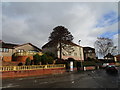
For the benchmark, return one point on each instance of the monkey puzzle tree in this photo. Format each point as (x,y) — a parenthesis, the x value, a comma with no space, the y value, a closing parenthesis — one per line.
(103,46)
(60,34)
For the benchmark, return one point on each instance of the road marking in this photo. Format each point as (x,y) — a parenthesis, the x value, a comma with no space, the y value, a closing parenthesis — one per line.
(72,81)
(10,85)
(43,82)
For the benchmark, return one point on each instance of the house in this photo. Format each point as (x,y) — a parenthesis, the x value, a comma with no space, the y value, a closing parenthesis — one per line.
(21,52)
(109,56)
(6,50)
(69,50)
(89,53)
(117,57)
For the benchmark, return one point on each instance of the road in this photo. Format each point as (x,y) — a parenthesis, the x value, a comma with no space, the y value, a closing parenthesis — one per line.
(87,79)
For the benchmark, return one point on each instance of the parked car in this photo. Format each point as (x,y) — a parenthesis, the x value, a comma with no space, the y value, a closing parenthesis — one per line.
(105,65)
(111,69)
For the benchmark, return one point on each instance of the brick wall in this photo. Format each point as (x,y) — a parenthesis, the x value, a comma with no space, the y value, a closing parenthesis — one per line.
(89,68)
(7,58)
(23,58)
(26,73)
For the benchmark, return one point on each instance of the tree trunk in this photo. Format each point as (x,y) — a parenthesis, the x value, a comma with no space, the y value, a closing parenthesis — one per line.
(60,50)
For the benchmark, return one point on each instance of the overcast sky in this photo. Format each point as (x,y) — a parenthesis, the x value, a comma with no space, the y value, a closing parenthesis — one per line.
(25,22)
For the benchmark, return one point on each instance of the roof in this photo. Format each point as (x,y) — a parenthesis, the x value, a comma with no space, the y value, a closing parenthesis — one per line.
(89,48)
(117,55)
(11,46)
(29,44)
(7,45)
(109,55)
(53,43)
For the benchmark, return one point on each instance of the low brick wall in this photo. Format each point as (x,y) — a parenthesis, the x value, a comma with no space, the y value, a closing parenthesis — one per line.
(26,73)
(89,68)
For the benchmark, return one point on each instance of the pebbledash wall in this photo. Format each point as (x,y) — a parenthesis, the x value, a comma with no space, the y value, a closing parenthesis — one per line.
(27,73)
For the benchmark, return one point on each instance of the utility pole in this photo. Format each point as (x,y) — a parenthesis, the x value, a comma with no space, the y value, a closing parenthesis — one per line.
(80,54)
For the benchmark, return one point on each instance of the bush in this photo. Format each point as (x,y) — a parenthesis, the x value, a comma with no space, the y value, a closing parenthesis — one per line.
(32,62)
(75,64)
(88,63)
(44,59)
(28,61)
(58,61)
(50,60)
(50,54)
(20,64)
(36,59)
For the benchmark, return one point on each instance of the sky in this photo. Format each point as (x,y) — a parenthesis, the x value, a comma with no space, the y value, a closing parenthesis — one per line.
(32,22)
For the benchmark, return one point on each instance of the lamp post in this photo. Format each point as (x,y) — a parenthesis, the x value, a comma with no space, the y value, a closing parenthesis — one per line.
(80,54)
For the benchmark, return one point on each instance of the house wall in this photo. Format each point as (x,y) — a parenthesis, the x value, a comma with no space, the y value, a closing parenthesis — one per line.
(117,58)
(89,52)
(7,56)
(90,55)
(77,54)
(23,58)
(26,47)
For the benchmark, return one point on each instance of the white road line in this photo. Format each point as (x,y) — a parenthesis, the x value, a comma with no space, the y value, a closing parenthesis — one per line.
(10,85)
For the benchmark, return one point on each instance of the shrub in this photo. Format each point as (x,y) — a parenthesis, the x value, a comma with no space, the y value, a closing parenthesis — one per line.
(44,59)
(50,54)
(27,61)
(50,60)
(36,59)
(88,63)
(20,64)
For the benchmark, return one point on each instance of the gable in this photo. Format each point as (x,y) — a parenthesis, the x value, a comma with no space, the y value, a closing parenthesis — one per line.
(27,47)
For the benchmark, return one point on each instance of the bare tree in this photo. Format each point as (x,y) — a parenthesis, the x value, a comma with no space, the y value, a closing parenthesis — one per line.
(103,46)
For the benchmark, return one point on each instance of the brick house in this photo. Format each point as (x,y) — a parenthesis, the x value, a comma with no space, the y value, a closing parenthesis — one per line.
(6,51)
(69,50)
(89,52)
(20,51)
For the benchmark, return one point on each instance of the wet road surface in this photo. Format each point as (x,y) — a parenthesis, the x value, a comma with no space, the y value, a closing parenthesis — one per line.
(87,79)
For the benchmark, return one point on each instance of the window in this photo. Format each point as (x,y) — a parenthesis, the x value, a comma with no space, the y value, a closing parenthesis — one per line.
(69,53)
(20,50)
(90,54)
(90,51)
(75,54)
(32,51)
(4,50)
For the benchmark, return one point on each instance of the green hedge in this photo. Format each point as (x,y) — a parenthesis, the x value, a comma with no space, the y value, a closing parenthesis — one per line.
(89,63)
